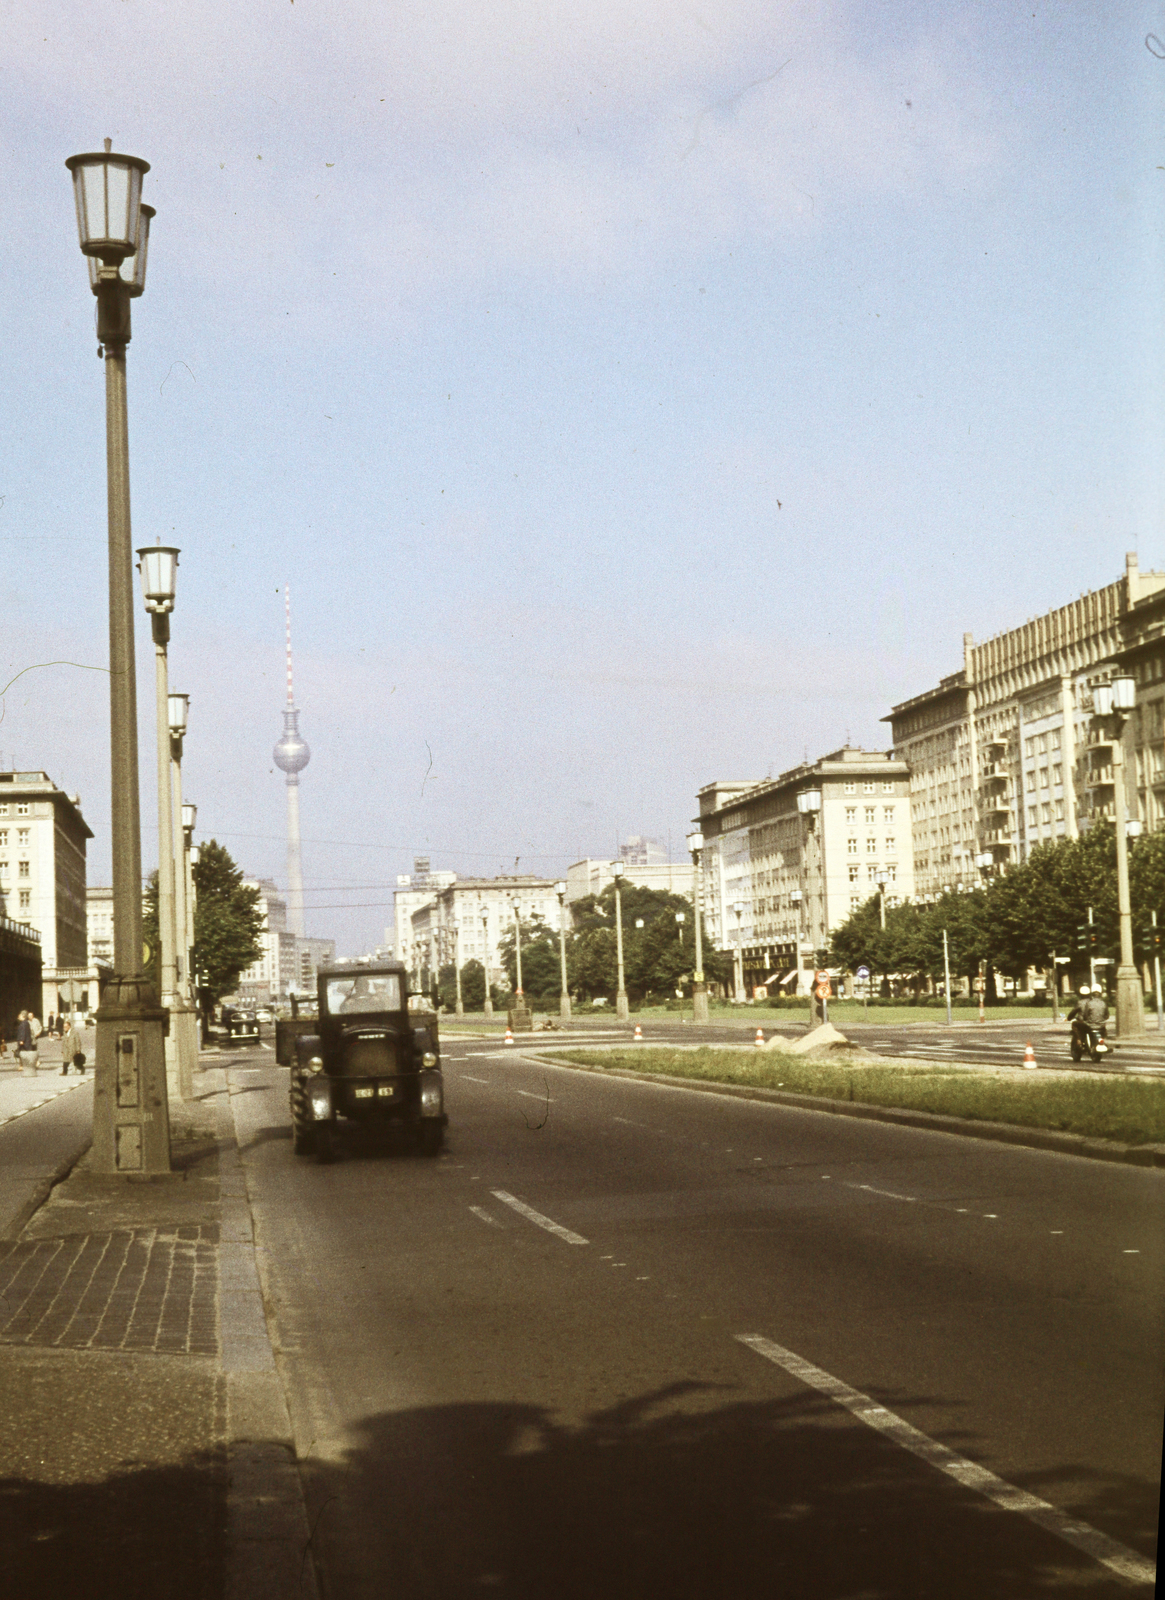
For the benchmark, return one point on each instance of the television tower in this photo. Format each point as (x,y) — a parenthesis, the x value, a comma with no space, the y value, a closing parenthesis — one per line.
(291,755)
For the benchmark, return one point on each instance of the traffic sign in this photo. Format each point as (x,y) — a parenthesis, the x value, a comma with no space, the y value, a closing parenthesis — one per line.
(862,974)
(821,976)
(980,985)
(824,990)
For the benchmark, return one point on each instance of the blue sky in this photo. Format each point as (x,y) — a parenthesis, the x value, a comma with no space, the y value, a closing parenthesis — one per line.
(631,395)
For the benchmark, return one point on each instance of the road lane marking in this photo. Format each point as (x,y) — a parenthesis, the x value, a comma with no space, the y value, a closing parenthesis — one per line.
(887,1194)
(479,1211)
(546,1099)
(1117,1557)
(472,1079)
(536,1217)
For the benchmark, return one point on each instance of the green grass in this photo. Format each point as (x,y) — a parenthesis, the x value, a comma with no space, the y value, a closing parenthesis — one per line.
(1131,1110)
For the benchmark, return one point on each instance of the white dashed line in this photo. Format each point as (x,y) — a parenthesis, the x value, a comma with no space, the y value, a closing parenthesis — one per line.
(546,1099)
(1117,1557)
(537,1218)
(479,1211)
(473,1079)
(887,1194)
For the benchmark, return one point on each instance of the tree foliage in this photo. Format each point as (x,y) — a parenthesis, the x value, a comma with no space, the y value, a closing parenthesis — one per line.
(227,925)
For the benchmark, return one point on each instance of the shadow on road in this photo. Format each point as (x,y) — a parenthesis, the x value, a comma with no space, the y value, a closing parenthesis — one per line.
(660,1496)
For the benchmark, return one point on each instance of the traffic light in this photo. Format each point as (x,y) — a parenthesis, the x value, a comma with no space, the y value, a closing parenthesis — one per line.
(1088,938)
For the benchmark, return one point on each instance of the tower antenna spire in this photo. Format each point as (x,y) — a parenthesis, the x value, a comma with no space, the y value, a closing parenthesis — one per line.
(291,755)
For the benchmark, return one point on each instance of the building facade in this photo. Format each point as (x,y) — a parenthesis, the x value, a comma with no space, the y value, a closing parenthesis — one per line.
(413,890)
(592,877)
(276,972)
(1002,754)
(43,839)
(788,859)
(469,918)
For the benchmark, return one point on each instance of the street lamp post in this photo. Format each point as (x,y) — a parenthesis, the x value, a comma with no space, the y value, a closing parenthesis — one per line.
(738,955)
(183,1020)
(518,945)
(564,995)
(699,988)
(488,1009)
(459,1005)
(622,1009)
(880,878)
(1112,702)
(158,565)
(131,1118)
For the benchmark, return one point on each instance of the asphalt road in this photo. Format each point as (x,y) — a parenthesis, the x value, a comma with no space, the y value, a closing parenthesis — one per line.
(520,1368)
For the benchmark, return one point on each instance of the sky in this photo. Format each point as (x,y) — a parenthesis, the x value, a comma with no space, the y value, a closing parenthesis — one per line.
(632,395)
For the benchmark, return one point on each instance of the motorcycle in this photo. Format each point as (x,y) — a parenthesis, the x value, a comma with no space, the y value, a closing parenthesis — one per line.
(1087,1040)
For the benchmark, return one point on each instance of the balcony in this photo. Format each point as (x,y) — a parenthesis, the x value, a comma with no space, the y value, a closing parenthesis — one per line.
(1098,777)
(998,835)
(996,805)
(994,770)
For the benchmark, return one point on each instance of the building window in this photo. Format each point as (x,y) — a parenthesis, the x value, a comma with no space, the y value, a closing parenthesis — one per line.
(887,788)
(850,788)
(851,847)
(1032,815)
(1031,780)
(887,813)
(1043,777)
(22,870)
(869,788)
(891,901)
(855,902)
(1057,773)
(871,814)
(4,809)
(1059,811)
(22,808)
(1047,813)
(853,872)
(25,899)
(851,816)
(891,847)
(22,835)
(892,874)
(871,846)
(4,838)
(3,869)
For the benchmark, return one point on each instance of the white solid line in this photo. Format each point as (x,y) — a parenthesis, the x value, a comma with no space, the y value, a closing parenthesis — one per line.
(472,1079)
(531,1215)
(545,1098)
(1117,1557)
(478,1211)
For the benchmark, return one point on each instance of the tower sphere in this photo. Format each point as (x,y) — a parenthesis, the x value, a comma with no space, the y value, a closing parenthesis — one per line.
(292,753)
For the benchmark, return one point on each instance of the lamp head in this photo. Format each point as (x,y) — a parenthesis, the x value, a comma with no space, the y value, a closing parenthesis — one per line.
(158,565)
(107,191)
(179,710)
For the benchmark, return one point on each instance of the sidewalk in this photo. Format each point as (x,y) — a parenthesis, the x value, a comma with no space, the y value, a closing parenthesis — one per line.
(145,1449)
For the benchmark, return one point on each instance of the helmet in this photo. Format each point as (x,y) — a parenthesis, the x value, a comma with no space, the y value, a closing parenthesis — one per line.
(1084,989)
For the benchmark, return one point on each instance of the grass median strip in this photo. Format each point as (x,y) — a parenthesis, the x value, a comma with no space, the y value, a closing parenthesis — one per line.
(1130,1110)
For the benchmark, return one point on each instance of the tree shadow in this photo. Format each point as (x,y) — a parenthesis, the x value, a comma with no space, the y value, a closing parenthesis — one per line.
(665,1495)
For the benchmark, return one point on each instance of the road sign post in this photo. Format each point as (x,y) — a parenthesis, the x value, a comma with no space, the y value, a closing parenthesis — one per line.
(863,977)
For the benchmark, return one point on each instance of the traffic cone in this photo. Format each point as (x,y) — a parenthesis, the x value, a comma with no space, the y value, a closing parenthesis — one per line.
(1029,1056)
(509,1037)
(760,1039)
(638,1039)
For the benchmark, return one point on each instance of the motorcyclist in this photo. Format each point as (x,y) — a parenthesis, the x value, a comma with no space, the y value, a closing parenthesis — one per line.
(1090,1013)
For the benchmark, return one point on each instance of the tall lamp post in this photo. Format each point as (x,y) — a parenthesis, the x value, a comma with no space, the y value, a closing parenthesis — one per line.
(518,944)
(738,954)
(459,1004)
(488,1008)
(699,988)
(183,1020)
(1112,703)
(564,994)
(622,1009)
(880,879)
(131,1118)
(158,566)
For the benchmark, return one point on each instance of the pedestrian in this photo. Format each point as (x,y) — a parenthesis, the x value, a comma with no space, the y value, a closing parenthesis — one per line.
(26,1044)
(72,1050)
(35,1024)
(50,1026)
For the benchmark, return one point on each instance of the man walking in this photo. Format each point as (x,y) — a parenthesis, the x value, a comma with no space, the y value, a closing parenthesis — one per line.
(26,1045)
(72,1049)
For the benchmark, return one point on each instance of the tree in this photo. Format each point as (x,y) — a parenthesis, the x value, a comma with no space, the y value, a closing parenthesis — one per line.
(540,964)
(227,926)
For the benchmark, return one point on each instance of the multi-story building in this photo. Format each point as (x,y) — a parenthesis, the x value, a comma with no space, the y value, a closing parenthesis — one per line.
(472,915)
(592,877)
(639,852)
(43,840)
(276,972)
(1002,754)
(413,890)
(786,860)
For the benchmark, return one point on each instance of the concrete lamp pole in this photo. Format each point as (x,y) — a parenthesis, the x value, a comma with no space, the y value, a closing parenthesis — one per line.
(183,1022)
(488,1008)
(564,995)
(881,880)
(699,988)
(518,945)
(1112,703)
(131,1115)
(738,955)
(459,1005)
(158,567)
(622,1009)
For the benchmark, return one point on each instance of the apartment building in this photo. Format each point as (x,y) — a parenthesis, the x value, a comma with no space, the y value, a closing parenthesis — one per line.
(43,839)
(592,877)
(1003,754)
(786,860)
(413,890)
(470,917)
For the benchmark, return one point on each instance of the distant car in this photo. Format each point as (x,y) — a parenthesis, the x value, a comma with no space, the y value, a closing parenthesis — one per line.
(264,1015)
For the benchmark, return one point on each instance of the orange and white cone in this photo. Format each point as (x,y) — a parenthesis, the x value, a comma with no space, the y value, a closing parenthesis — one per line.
(638,1035)
(509,1037)
(760,1038)
(1029,1056)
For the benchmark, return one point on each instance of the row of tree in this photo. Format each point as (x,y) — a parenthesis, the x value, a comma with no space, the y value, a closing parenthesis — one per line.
(658,957)
(1019,921)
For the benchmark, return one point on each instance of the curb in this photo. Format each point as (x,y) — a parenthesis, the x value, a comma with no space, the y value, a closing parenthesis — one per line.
(40,1193)
(1069,1144)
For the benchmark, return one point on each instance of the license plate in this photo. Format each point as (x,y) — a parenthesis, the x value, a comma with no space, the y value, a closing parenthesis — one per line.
(362,1094)
(385,1090)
